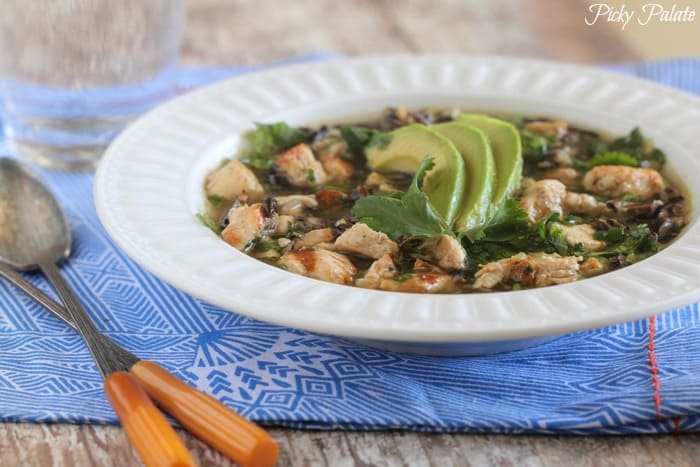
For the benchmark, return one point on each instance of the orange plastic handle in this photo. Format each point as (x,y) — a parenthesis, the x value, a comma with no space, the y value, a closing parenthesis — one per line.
(211,421)
(145,426)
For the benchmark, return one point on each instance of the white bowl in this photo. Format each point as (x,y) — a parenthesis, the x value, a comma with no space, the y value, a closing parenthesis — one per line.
(148,189)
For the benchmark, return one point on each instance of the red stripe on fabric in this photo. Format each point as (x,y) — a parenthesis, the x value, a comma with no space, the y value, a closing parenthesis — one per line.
(653,369)
(676,425)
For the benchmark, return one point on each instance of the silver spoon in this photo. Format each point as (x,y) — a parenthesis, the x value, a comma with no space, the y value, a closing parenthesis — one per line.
(34,234)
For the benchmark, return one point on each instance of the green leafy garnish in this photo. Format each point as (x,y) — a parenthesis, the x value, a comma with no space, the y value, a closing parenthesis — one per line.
(403,277)
(535,145)
(268,140)
(631,150)
(358,138)
(607,158)
(267,246)
(613,158)
(509,220)
(635,243)
(216,201)
(400,214)
(509,233)
(207,221)
(310,175)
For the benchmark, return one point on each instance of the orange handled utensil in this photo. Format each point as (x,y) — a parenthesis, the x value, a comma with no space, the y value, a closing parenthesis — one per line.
(205,417)
(147,429)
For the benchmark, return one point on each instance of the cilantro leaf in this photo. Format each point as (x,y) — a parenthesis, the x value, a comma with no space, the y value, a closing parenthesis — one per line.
(358,138)
(613,158)
(409,213)
(535,145)
(631,144)
(635,243)
(216,201)
(509,233)
(509,222)
(606,158)
(632,150)
(268,140)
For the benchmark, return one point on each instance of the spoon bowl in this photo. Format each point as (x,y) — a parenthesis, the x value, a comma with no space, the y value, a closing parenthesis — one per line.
(34,228)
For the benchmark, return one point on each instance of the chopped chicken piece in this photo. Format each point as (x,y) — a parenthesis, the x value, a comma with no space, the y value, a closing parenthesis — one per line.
(313,238)
(299,166)
(330,198)
(538,269)
(541,198)
(425,278)
(567,175)
(284,224)
(632,209)
(554,128)
(447,252)
(375,180)
(271,253)
(320,264)
(332,143)
(591,267)
(362,240)
(336,167)
(247,223)
(562,157)
(233,181)
(295,205)
(583,234)
(381,269)
(620,180)
(582,203)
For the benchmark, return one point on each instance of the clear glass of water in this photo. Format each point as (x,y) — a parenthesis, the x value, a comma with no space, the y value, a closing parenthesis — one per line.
(73,73)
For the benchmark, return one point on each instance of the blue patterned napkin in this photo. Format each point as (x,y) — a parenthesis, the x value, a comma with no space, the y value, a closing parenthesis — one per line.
(640,377)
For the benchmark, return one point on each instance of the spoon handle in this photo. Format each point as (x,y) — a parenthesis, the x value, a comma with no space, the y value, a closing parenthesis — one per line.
(145,426)
(84,325)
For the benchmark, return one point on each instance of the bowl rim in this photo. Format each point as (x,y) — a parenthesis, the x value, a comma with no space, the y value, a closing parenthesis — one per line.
(133,211)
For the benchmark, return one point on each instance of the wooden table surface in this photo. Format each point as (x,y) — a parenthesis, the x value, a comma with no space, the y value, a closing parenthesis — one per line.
(258,31)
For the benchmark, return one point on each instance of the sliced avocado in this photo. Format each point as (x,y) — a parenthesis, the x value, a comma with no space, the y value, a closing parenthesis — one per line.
(474,147)
(507,154)
(409,145)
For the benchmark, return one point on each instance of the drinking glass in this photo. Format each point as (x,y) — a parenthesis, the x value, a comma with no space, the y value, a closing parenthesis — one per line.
(73,73)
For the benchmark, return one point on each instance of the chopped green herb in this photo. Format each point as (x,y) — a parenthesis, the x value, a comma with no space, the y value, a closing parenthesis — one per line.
(207,221)
(607,158)
(311,175)
(509,233)
(403,277)
(510,221)
(614,158)
(267,141)
(358,138)
(216,201)
(635,243)
(535,145)
(267,246)
(400,214)
(629,150)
